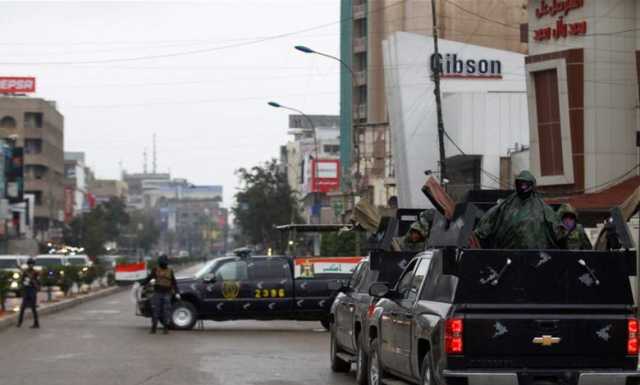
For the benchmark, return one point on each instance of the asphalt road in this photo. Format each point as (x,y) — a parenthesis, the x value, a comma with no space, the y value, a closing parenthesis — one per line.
(102,342)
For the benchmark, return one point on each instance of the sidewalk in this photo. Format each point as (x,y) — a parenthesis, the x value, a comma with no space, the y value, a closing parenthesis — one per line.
(10,318)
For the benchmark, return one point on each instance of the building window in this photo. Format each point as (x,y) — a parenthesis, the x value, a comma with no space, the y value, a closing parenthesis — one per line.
(7,122)
(549,126)
(32,120)
(331,149)
(33,146)
(524,33)
(35,171)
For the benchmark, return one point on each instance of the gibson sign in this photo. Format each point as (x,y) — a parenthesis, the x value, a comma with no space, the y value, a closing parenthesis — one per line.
(561,29)
(453,67)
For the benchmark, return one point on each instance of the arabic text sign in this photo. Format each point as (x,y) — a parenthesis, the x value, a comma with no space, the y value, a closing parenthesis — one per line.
(310,267)
(11,84)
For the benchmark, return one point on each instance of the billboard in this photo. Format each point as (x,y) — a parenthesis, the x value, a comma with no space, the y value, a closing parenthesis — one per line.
(17,85)
(325,175)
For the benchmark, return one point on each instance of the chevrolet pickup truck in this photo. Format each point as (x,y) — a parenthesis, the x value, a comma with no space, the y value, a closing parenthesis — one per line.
(507,317)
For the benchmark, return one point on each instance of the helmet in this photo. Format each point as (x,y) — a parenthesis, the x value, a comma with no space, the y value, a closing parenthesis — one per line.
(163,260)
(419,228)
(567,209)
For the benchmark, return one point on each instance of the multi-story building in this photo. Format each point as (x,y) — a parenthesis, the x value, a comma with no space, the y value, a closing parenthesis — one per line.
(102,190)
(75,184)
(39,128)
(313,164)
(582,79)
(136,184)
(369,164)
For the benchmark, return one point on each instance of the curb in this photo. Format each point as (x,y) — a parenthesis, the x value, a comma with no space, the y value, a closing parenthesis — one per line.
(12,319)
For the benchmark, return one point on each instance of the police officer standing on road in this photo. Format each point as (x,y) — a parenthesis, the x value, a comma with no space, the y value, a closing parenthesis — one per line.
(30,286)
(163,289)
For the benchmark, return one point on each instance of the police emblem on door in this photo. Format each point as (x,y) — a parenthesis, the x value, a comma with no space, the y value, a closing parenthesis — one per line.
(230,289)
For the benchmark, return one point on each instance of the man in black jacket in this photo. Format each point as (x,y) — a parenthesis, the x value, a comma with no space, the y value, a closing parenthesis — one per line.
(164,287)
(30,285)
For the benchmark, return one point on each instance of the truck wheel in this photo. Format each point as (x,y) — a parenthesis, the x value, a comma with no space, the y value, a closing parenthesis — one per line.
(338,365)
(376,372)
(325,324)
(184,315)
(362,366)
(427,377)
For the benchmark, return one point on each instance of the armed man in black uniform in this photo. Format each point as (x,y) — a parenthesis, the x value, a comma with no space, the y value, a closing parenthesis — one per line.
(30,285)
(164,287)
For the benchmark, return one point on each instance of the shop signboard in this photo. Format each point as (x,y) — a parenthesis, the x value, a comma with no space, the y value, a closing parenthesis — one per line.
(17,85)
(325,175)
(561,29)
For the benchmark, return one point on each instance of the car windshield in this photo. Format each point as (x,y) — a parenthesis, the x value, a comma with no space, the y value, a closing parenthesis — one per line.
(8,263)
(205,269)
(49,261)
(77,261)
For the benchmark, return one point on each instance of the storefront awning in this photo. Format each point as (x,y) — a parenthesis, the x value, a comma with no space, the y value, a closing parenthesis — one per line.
(597,206)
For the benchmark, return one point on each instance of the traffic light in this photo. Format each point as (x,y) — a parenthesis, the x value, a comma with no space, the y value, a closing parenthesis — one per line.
(15,175)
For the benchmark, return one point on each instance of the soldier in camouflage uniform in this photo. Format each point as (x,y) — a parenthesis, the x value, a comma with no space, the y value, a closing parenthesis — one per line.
(415,239)
(164,287)
(577,238)
(522,221)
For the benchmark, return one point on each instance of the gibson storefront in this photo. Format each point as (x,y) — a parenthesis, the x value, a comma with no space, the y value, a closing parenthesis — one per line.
(582,83)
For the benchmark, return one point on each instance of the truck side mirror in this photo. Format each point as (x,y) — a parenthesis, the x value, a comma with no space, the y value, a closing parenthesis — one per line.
(378,290)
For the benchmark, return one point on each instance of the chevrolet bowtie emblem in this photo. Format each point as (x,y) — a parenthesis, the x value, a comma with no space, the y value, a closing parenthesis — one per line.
(547,340)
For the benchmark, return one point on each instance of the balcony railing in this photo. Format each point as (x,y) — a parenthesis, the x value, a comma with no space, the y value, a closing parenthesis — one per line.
(360,111)
(359,44)
(360,78)
(359,11)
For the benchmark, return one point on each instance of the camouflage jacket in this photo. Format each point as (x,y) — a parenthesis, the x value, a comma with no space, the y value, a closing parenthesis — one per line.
(577,239)
(520,223)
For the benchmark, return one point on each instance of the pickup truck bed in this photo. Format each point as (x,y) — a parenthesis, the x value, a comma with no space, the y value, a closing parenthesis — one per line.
(516,317)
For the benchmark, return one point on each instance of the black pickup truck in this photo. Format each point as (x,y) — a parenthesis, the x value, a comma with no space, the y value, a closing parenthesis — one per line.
(463,316)
(257,287)
(349,315)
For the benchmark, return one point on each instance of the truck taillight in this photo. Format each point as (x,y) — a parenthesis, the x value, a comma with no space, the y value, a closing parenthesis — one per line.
(371,309)
(453,336)
(632,343)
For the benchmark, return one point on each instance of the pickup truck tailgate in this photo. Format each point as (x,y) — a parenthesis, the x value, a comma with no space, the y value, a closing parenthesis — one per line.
(580,335)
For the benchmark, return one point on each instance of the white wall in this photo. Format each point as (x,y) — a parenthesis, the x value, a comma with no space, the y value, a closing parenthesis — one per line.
(412,113)
(491,124)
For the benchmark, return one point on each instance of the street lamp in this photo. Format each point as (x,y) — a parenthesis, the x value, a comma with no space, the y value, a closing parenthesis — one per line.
(315,144)
(354,138)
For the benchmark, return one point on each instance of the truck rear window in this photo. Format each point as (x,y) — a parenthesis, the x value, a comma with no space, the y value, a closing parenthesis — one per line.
(544,277)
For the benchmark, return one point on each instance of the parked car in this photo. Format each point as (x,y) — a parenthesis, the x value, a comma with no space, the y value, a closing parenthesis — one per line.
(349,316)
(50,260)
(78,260)
(10,263)
(257,287)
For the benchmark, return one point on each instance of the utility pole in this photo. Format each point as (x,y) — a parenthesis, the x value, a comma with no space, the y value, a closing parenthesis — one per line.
(436,91)
(154,164)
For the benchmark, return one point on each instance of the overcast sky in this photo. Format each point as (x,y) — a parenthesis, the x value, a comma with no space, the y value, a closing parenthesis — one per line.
(198,74)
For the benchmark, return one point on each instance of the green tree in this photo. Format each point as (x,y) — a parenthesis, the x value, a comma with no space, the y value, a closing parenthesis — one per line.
(142,231)
(93,229)
(264,201)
